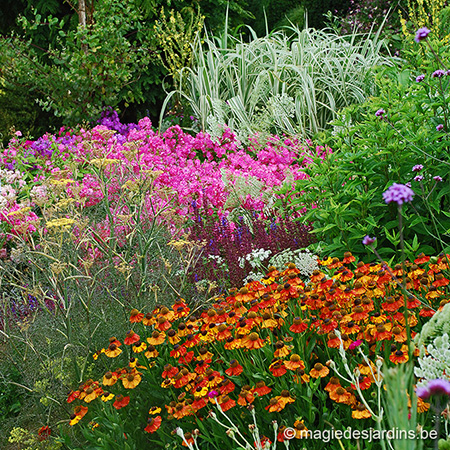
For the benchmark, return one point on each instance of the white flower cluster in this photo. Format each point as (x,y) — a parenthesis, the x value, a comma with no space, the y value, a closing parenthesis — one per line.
(438,325)
(304,260)
(435,365)
(255,258)
(11,182)
(39,194)
(11,177)
(281,106)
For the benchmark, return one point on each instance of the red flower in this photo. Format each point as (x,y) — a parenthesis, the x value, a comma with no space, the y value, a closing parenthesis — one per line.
(121,401)
(298,326)
(278,368)
(261,388)
(131,338)
(136,316)
(226,403)
(187,358)
(153,424)
(73,395)
(235,369)
(44,433)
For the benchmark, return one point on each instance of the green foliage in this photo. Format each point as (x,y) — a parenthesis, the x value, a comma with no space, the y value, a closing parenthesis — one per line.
(89,67)
(19,110)
(317,10)
(343,194)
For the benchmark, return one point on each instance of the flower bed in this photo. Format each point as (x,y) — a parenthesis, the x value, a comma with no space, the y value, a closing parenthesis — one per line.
(278,350)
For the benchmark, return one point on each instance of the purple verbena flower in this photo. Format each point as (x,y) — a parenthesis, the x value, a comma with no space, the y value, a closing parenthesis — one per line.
(380,113)
(420,78)
(437,178)
(368,240)
(421,34)
(417,168)
(438,74)
(213,394)
(439,127)
(398,193)
(418,178)
(434,388)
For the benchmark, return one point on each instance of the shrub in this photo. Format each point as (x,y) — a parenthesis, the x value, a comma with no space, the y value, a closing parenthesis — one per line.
(400,136)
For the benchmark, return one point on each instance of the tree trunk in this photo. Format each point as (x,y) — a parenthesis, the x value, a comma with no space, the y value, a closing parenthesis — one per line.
(82,12)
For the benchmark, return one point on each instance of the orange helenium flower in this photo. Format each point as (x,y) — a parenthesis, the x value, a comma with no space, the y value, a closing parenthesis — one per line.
(153,424)
(319,370)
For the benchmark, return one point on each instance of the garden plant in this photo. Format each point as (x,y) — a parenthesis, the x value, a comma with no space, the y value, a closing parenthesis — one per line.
(264,264)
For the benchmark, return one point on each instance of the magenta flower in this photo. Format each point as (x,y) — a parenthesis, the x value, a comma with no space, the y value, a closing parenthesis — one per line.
(418,178)
(398,193)
(437,178)
(421,34)
(368,240)
(380,113)
(213,394)
(439,127)
(417,168)
(434,388)
(420,78)
(355,344)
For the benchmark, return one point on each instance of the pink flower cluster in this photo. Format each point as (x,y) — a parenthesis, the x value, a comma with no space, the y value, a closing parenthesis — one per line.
(193,168)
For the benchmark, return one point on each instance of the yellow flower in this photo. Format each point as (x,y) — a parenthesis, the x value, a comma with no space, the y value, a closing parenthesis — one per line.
(19,212)
(63,222)
(102,163)
(131,380)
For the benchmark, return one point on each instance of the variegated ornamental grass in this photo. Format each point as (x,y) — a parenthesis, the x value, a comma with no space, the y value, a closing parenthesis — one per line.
(291,81)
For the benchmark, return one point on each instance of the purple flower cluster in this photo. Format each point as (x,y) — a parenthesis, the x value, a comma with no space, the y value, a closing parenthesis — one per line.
(438,73)
(434,388)
(380,113)
(421,34)
(439,127)
(420,78)
(398,193)
(417,168)
(110,119)
(368,240)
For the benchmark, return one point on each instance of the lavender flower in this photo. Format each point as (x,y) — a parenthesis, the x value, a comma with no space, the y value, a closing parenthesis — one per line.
(420,78)
(438,74)
(398,193)
(368,240)
(434,388)
(440,127)
(417,168)
(437,178)
(421,34)
(380,113)
(418,178)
